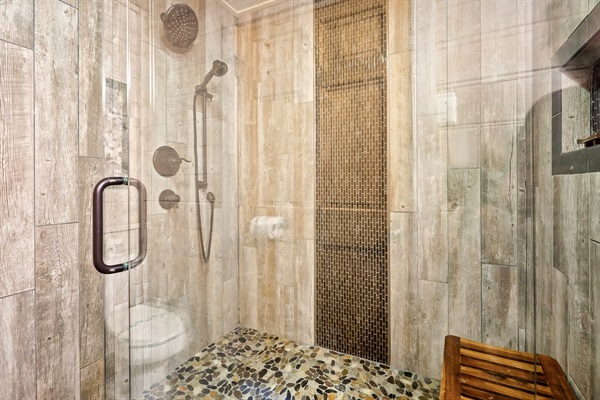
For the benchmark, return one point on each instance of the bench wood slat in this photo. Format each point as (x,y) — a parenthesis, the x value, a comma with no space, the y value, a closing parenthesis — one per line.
(477,371)
(480,394)
(451,373)
(556,378)
(500,360)
(496,388)
(505,353)
(505,380)
(528,376)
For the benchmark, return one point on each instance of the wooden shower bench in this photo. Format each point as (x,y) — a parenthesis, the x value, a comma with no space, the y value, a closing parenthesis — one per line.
(477,371)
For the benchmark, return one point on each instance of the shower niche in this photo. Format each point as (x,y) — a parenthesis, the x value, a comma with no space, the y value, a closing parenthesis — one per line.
(576,100)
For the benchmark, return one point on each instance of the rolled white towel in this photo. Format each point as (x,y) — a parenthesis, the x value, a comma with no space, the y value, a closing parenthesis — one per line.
(273,227)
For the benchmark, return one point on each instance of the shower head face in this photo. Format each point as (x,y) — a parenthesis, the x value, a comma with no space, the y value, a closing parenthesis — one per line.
(181,25)
(219,68)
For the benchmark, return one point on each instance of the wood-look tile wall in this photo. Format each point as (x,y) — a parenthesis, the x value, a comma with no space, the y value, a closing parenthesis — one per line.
(53,301)
(461,202)
(203,294)
(566,223)
(39,272)
(457,177)
(275,53)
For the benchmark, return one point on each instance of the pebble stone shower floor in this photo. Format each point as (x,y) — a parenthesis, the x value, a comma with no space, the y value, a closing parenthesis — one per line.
(246,364)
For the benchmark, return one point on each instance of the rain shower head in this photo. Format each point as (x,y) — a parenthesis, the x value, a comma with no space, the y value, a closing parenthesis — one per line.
(181,25)
(219,68)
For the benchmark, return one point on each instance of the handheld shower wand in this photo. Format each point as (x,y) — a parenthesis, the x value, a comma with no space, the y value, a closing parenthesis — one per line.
(219,69)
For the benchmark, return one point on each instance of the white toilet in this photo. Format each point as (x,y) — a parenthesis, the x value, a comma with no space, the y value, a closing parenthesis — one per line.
(156,334)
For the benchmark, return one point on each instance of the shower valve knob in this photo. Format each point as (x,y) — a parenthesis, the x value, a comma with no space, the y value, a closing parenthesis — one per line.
(166,161)
(168,199)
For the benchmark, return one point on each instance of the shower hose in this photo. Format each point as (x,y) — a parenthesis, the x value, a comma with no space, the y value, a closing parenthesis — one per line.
(202,184)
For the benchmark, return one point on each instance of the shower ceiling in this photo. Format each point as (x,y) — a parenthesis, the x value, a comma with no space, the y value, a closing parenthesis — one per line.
(241,7)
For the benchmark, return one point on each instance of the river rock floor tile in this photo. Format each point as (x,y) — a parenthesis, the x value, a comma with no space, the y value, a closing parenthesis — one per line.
(246,364)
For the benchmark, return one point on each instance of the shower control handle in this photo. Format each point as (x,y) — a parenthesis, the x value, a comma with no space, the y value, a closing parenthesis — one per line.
(98,225)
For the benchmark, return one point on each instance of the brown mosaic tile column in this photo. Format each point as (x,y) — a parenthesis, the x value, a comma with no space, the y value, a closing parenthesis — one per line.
(351,218)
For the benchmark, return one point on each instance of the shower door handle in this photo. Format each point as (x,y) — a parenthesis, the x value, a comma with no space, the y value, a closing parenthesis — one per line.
(98,225)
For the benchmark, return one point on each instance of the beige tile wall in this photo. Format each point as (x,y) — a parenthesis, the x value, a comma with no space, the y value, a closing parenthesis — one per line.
(566,228)
(457,177)
(50,292)
(463,265)
(203,294)
(277,168)
(39,278)
(457,186)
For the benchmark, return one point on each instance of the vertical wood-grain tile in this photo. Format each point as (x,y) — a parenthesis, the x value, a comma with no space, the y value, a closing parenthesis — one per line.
(464,147)
(594,206)
(464,47)
(91,108)
(92,381)
(464,258)
(525,238)
(17,352)
(91,282)
(404,295)
(595,319)
(543,193)
(56,110)
(571,205)
(572,252)
(559,342)
(499,102)
(230,304)
(433,326)
(427,60)
(249,302)
(304,290)
(401,143)
(266,284)
(284,255)
(283,89)
(305,156)
(17,166)
(285,311)
(16,23)
(266,154)
(499,325)
(498,38)
(399,26)
(57,311)
(499,194)
(433,200)
(249,165)
(303,51)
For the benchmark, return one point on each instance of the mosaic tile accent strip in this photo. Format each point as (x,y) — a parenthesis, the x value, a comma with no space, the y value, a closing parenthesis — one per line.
(246,364)
(351,206)
(594,99)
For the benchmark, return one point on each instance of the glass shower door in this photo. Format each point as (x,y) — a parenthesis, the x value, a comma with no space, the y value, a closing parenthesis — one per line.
(181,146)
(117,195)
